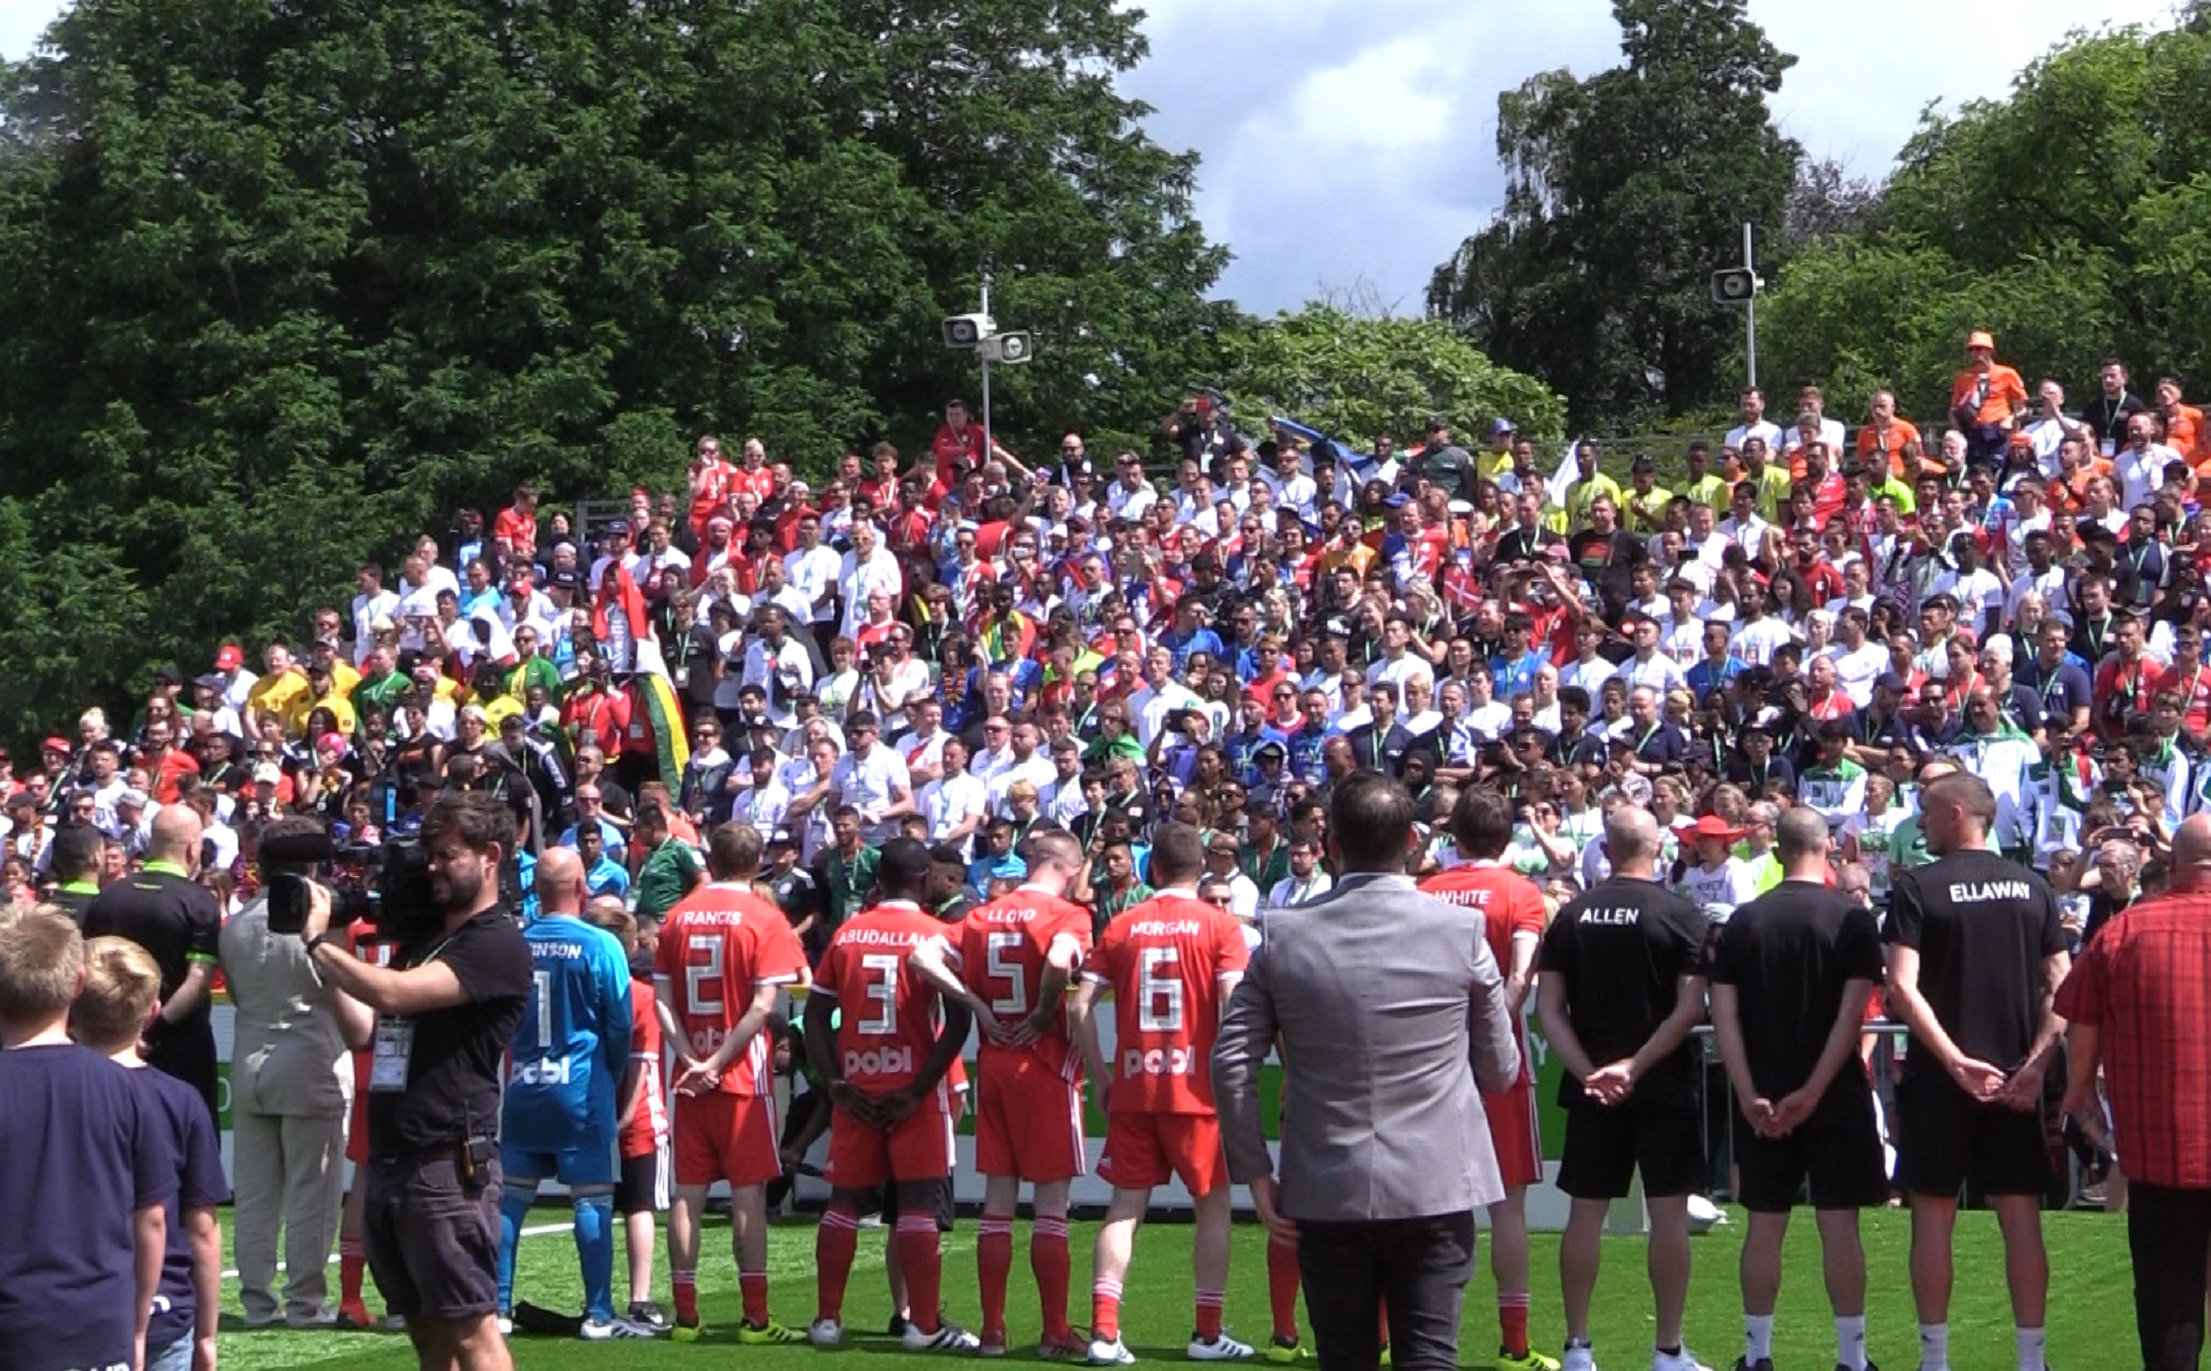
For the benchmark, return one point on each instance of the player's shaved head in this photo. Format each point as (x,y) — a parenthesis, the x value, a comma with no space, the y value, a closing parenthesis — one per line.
(1631,836)
(560,881)
(176,836)
(1053,856)
(733,852)
(2191,868)
(1800,833)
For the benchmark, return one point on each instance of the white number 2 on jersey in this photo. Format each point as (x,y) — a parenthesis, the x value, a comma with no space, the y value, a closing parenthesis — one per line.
(1015,1003)
(702,977)
(882,987)
(1159,991)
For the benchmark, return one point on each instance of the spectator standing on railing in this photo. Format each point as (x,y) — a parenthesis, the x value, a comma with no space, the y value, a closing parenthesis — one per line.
(1977,953)
(1792,973)
(2135,1003)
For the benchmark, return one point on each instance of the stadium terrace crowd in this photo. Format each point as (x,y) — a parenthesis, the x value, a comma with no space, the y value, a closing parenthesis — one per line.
(957,652)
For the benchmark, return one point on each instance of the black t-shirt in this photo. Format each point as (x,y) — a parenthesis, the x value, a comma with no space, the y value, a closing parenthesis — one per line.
(1623,949)
(454,1064)
(1982,927)
(168,915)
(1789,954)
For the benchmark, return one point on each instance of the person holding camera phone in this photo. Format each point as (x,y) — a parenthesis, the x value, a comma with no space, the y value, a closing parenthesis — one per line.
(443,1013)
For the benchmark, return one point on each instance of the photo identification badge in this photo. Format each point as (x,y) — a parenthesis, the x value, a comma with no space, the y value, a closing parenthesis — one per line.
(395,1043)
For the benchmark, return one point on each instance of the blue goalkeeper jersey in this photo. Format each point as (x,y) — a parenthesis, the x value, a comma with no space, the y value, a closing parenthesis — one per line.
(573,1041)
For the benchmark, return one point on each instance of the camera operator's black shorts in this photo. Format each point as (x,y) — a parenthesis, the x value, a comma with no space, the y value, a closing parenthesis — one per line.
(1606,1146)
(1945,1138)
(432,1242)
(1836,1168)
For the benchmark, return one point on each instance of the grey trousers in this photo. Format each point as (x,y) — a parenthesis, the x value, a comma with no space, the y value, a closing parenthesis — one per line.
(1416,1268)
(289,1173)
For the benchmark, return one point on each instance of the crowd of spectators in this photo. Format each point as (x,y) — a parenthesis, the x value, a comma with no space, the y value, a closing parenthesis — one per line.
(962,645)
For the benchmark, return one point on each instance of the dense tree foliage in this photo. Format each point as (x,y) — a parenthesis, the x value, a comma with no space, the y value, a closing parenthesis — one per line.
(280,282)
(2073,219)
(1358,377)
(1624,192)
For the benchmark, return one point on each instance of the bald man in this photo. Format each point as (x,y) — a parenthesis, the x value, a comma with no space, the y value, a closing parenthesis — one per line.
(166,911)
(2134,1006)
(1621,986)
(569,1053)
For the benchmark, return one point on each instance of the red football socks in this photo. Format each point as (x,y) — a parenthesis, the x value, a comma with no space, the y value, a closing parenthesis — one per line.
(1512,1322)
(1048,1259)
(834,1242)
(1105,1310)
(1282,1288)
(1209,1314)
(923,1259)
(993,1268)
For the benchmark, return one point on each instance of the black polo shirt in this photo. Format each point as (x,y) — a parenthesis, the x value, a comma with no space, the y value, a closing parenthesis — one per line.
(1789,954)
(178,921)
(1622,950)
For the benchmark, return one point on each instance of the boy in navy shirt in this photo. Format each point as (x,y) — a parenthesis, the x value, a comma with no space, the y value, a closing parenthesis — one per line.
(122,992)
(86,1168)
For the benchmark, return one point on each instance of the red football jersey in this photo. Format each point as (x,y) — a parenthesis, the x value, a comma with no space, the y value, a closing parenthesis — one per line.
(1003,948)
(1510,904)
(1165,959)
(719,945)
(648,1127)
(888,1019)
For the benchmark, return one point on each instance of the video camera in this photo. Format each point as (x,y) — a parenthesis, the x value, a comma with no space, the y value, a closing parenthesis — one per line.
(386,884)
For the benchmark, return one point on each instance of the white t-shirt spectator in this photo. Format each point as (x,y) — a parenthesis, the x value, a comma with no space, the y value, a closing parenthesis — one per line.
(869,784)
(949,802)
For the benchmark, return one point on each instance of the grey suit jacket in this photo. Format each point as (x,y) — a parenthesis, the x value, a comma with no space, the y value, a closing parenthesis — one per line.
(1390,1009)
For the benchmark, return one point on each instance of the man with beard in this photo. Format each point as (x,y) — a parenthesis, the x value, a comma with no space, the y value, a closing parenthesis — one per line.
(442,1013)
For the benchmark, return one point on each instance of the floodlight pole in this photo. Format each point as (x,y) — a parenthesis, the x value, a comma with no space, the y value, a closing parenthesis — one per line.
(1750,318)
(987,444)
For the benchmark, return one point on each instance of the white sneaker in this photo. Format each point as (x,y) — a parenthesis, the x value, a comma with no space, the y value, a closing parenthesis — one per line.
(322,1316)
(506,1325)
(1703,1214)
(600,1330)
(1684,1360)
(825,1333)
(949,1337)
(1110,1352)
(268,1320)
(1578,1359)
(1222,1348)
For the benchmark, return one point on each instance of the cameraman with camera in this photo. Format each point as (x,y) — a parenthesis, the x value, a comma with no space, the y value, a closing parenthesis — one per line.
(443,1013)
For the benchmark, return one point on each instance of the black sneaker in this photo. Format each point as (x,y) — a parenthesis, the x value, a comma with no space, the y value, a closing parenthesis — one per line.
(646,1314)
(897,1326)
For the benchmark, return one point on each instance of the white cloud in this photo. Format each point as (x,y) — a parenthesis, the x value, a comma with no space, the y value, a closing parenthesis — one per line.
(1350,138)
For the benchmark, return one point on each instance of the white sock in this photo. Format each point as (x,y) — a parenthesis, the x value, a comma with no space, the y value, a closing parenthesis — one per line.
(2030,1349)
(1934,1347)
(1757,1338)
(1850,1343)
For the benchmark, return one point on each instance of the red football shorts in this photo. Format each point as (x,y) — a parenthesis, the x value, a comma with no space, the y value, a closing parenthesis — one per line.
(862,1156)
(719,1136)
(1513,1132)
(1144,1150)
(1028,1121)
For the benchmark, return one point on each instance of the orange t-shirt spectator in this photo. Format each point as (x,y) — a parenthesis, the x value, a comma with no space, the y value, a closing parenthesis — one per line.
(1991,391)
(1886,436)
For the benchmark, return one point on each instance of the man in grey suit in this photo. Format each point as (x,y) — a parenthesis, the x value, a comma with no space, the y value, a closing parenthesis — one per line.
(291,1085)
(1390,1010)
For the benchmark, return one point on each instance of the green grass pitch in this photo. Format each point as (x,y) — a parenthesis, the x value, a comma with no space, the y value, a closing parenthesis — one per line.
(2091,1323)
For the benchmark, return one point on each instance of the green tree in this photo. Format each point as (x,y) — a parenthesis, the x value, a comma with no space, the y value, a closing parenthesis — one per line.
(2069,218)
(1624,192)
(1357,377)
(281,285)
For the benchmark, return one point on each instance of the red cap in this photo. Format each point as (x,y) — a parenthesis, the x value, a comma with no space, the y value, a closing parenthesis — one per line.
(55,744)
(229,658)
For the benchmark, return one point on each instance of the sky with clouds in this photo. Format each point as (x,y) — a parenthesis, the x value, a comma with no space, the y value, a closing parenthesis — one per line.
(1356,139)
